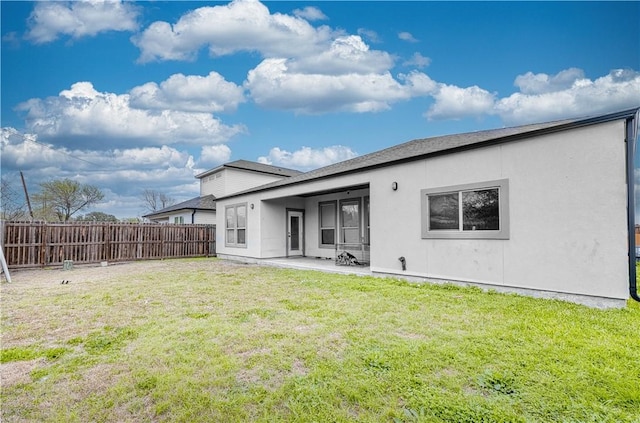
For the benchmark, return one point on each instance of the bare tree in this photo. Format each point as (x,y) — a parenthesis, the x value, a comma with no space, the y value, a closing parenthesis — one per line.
(12,202)
(66,197)
(154,200)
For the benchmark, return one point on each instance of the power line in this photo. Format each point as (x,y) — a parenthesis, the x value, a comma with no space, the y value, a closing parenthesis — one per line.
(63,152)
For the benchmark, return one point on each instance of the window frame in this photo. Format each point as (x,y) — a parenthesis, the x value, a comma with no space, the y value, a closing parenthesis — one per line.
(235,228)
(366,215)
(503,211)
(341,226)
(333,203)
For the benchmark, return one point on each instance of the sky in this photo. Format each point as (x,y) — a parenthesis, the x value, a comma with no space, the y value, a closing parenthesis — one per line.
(129,96)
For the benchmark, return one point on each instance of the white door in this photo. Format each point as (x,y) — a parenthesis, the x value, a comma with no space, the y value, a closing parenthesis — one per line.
(295,233)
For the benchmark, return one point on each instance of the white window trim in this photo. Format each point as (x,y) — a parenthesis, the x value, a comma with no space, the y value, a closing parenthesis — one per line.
(235,227)
(503,193)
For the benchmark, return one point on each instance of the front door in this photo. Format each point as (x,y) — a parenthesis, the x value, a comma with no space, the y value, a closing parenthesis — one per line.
(295,233)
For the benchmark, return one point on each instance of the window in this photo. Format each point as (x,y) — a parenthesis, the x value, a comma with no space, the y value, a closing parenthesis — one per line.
(236,225)
(367,225)
(178,219)
(327,223)
(350,222)
(467,211)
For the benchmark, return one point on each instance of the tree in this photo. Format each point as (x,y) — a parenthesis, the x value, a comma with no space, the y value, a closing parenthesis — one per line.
(66,197)
(12,202)
(154,200)
(96,216)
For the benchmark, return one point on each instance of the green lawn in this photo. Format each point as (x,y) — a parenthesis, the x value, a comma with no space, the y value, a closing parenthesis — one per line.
(207,341)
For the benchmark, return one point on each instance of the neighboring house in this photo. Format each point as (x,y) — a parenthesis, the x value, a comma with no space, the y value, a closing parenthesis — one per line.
(200,210)
(220,181)
(544,209)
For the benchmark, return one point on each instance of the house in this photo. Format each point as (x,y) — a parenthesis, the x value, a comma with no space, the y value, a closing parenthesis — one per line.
(220,181)
(544,209)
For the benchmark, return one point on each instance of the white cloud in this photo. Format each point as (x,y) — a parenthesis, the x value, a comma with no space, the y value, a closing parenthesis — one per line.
(369,35)
(193,93)
(346,55)
(84,113)
(418,60)
(407,36)
(541,83)
(542,97)
(79,19)
(568,95)
(211,155)
(26,151)
(273,85)
(419,83)
(453,102)
(308,158)
(121,173)
(242,25)
(304,69)
(310,13)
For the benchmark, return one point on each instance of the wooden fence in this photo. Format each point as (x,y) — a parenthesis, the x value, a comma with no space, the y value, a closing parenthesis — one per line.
(36,244)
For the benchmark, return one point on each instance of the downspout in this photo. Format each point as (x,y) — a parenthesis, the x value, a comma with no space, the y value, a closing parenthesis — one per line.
(631,134)
(193,217)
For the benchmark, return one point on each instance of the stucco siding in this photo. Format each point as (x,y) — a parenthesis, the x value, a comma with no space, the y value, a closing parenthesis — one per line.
(567,212)
(566,209)
(228,181)
(274,225)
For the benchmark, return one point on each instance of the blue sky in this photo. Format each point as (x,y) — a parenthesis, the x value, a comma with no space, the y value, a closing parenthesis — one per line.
(144,95)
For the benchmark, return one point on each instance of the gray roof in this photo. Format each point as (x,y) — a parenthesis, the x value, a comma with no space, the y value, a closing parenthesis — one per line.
(447,144)
(253,167)
(207,202)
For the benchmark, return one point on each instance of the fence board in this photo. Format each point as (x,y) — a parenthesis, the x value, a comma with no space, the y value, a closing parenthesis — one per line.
(39,244)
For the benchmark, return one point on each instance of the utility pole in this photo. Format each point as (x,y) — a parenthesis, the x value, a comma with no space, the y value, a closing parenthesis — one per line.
(26,194)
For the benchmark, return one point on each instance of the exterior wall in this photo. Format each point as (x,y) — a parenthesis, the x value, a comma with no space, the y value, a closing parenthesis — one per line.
(204,217)
(567,215)
(228,181)
(185,214)
(266,222)
(274,225)
(213,184)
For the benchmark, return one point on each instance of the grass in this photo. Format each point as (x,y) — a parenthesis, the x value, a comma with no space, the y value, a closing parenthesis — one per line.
(205,341)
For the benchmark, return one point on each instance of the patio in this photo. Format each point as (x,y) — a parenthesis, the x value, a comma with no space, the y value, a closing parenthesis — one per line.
(313,263)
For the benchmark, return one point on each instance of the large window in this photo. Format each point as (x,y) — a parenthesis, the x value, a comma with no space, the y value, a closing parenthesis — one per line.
(236,225)
(327,219)
(467,211)
(350,221)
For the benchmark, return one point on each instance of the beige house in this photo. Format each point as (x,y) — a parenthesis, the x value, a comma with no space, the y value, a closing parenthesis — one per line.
(544,209)
(223,180)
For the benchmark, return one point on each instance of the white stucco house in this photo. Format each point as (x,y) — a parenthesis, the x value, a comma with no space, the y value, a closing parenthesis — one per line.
(223,180)
(544,209)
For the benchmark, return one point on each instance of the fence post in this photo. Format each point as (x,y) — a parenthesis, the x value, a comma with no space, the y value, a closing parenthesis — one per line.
(162,242)
(106,237)
(43,248)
